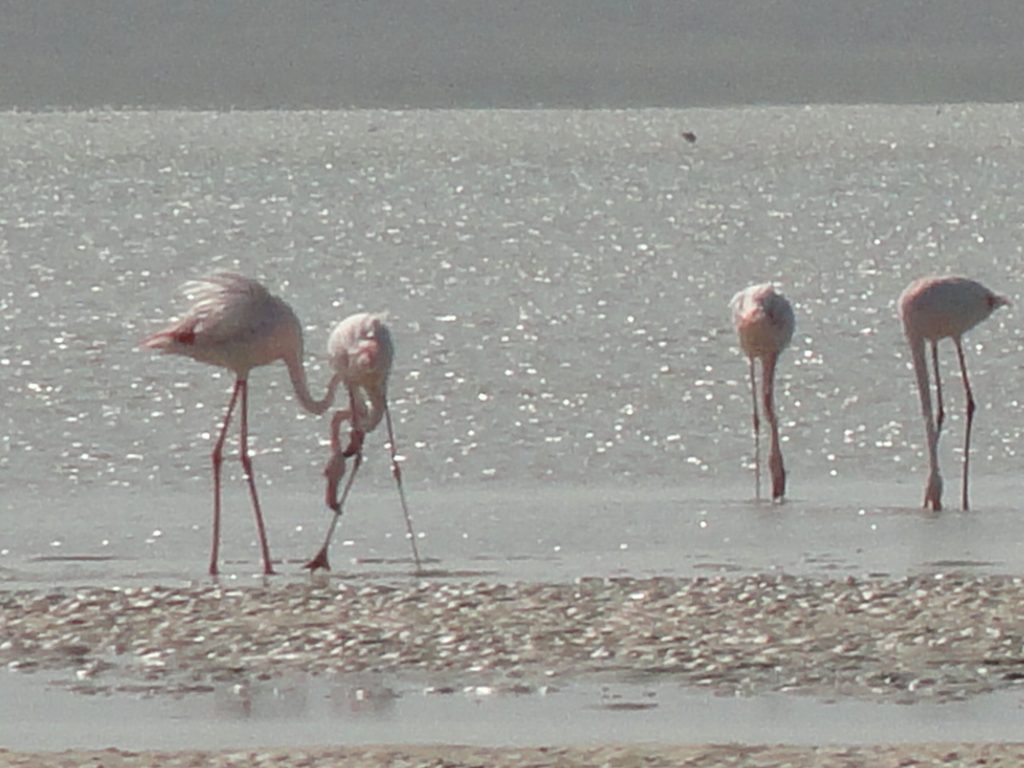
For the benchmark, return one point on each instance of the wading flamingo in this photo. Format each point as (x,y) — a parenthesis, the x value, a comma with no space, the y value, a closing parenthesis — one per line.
(935,308)
(764,322)
(235,323)
(361,353)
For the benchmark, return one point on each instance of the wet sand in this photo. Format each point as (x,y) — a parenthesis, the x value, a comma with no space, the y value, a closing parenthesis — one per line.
(941,637)
(620,756)
(937,637)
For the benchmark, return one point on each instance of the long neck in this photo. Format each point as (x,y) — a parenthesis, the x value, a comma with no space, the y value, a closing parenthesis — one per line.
(378,405)
(768,387)
(369,403)
(917,350)
(297,372)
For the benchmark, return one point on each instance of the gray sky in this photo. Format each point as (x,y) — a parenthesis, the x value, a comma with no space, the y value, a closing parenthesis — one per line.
(507,53)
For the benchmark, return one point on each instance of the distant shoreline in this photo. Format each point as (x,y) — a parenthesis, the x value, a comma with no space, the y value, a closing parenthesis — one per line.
(402,109)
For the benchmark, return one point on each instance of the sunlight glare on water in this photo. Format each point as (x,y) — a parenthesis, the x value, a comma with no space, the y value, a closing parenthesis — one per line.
(556,281)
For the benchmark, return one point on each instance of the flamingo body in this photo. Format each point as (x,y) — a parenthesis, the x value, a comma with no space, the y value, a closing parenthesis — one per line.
(233,323)
(763,319)
(935,308)
(764,323)
(932,309)
(361,353)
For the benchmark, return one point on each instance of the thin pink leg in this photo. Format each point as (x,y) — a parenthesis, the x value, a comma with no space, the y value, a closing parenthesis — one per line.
(396,470)
(247,466)
(218,459)
(970,417)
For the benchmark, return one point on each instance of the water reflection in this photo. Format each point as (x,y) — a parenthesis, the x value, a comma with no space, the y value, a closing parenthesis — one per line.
(358,696)
(399,711)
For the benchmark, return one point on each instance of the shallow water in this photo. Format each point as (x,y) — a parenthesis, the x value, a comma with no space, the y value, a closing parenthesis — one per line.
(568,393)
(535,536)
(376,710)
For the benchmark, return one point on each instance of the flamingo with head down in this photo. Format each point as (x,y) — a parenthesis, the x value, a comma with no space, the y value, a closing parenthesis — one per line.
(361,353)
(932,309)
(764,323)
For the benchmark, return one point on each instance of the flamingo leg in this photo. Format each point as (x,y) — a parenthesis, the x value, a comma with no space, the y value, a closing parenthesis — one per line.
(940,413)
(217,458)
(334,470)
(396,470)
(775,464)
(970,417)
(247,466)
(757,431)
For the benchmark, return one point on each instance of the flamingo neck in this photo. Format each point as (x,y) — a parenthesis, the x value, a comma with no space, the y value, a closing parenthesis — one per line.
(917,351)
(378,405)
(297,372)
(768,363)
(367,406)
(775,462)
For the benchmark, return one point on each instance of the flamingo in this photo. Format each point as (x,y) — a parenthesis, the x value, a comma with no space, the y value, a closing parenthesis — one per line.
(764,322)
(235,323)
(935,308)
(361,354)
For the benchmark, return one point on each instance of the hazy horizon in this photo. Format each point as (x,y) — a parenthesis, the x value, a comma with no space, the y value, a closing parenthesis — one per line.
(460,54)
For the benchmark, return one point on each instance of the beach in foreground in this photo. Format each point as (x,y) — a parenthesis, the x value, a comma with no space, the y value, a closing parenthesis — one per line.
(938,637)
(617,756)
(917,645)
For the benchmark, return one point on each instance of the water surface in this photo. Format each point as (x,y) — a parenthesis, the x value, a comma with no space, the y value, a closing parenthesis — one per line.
(374,710)
(568,394)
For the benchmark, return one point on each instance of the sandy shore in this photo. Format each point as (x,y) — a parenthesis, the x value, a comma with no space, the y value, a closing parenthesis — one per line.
(939,637)
(919,755)
(928,638)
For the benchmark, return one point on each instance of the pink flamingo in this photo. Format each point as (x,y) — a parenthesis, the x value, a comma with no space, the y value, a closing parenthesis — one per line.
(764,322)
(235,323)
(361,353)
(935,308)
